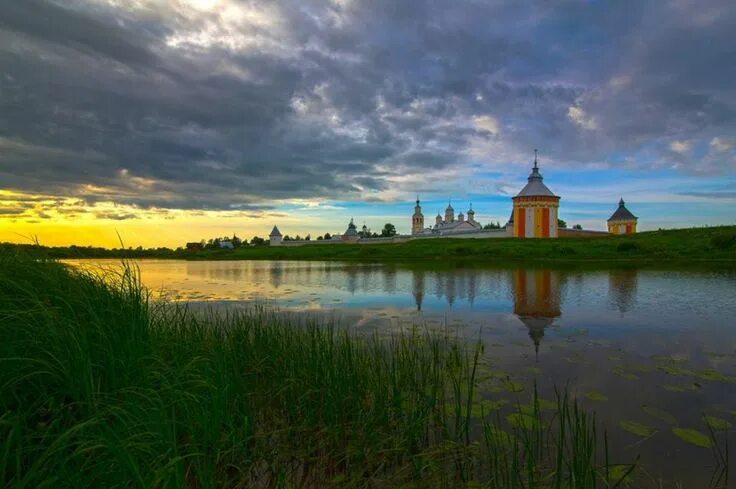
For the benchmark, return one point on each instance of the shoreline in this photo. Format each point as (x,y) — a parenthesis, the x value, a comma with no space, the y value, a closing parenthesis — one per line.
(680,248)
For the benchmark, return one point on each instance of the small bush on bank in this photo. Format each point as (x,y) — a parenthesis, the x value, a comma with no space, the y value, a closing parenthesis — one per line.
(724,240)
(628,246)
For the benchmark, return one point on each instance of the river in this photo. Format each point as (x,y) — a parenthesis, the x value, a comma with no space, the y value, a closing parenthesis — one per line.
(657,348)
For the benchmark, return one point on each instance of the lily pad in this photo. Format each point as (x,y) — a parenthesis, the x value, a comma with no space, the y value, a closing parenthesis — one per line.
(596,396)
(485,407)
(623,373)
(637,429)
(576,358)
(678,387)
(717,423)
(676,371)
(497,435)
(694,437)
(513,386)
(544,405)
(522,421)
(714,375)
(619,473)
(659,414)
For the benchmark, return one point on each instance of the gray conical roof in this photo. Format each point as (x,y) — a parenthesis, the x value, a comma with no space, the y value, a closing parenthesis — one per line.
(534,186)
(622,213)
(275,232)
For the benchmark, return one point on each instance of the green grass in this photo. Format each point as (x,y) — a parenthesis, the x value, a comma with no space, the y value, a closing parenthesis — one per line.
(698,247)
(99,387)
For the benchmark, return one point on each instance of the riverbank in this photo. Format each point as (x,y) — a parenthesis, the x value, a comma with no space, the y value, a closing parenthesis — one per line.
(693,247)
(102,388)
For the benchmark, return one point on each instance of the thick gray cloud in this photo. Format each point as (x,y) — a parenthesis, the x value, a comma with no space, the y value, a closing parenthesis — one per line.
(236,106)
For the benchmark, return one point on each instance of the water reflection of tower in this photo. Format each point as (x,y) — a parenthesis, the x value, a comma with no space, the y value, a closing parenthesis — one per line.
(418,287)
(276,274)
(622,285)
(537,300)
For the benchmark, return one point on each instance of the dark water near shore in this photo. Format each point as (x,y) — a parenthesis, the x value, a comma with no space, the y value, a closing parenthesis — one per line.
(652,347)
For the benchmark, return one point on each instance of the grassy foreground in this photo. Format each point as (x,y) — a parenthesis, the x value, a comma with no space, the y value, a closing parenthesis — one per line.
(101,388)
(697,247)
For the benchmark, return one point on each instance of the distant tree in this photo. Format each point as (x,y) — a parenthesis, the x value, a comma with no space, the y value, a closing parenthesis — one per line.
(297,238)
(561,224)
(492,225)
(257,241)
(237,242)
(388,230)
(286,238)
(320,238)
(328,236)
(375,235)
(308,237)
(578,227)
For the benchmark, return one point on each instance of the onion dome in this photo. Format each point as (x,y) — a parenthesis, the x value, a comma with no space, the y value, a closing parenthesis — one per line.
(351,229)
(471,212)
(417,208)
(535,187)
(275,232)
(622,213)
(449,208)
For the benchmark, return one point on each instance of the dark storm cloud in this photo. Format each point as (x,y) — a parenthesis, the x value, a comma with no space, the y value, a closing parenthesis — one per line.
(164,105)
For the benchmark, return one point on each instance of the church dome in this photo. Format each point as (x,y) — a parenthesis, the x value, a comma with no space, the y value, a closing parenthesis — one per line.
(351,229)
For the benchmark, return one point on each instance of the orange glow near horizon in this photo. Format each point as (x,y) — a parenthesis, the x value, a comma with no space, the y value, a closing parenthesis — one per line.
(55,221)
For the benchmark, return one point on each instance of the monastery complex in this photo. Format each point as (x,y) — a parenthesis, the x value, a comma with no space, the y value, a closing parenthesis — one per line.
(534,215)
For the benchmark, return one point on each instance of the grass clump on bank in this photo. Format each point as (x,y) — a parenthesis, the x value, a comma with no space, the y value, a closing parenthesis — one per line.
(99,387)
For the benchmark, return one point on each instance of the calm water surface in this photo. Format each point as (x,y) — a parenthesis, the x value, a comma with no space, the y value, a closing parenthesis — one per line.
(638,342)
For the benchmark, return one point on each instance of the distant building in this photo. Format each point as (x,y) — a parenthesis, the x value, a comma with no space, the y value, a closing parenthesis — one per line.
(350,234)
(274,239)
(622,221)
(450,225)
(534,215)
(227,244)
(417,220)
(535,208)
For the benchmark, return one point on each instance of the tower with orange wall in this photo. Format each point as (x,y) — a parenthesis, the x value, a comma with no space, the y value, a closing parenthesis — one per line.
(535,208)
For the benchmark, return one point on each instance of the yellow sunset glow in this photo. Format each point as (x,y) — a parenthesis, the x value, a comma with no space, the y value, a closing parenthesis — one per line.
(53,221)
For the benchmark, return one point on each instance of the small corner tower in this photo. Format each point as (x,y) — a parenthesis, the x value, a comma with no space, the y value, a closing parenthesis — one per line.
(535,208)
(622,221)
(274,239)
(417,220)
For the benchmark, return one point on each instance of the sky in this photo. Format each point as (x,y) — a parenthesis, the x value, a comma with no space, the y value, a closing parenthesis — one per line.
(159,122)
